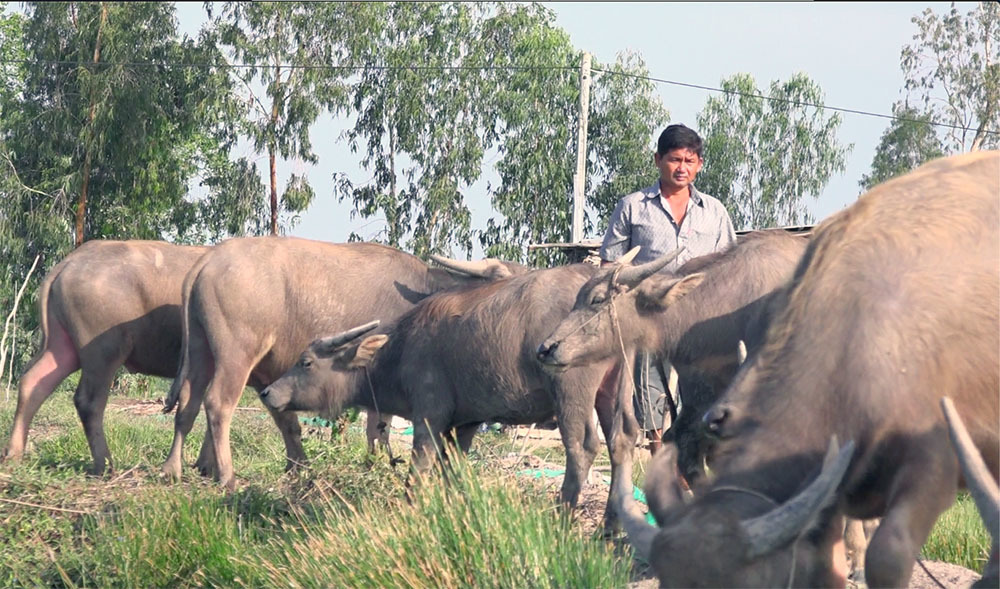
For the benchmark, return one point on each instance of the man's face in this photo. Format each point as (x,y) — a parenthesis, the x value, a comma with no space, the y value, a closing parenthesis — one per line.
(678,167)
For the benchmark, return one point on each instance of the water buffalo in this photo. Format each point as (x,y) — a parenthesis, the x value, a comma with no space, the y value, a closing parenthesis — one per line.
(252,304)
(467,356)
(727,301)
(981,485)
(108,303)
(894,304)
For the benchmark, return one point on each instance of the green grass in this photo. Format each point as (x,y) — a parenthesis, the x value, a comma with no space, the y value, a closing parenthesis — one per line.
(343,521)
(959,536)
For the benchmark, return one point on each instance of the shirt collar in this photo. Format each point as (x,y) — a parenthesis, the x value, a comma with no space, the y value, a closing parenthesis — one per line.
(654,192)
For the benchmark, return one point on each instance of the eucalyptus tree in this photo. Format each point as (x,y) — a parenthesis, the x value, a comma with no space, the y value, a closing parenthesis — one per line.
(285,56)
(625,119)
(953,68)
(418,100)
(110,124)
(765,152)
(910,140)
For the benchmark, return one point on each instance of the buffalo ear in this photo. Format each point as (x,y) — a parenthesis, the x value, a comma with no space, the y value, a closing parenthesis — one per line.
(661,292)
(367,349)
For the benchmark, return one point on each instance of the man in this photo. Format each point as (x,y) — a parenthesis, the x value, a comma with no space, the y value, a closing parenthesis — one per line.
(668,215)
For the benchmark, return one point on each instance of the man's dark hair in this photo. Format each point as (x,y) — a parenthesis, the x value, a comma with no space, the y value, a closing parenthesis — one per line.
(677,137)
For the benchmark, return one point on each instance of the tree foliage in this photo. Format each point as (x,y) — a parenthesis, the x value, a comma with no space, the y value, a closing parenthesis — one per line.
(280,44)
(764,152)
(626,117)
(418,120)
(953,69)
(909,141)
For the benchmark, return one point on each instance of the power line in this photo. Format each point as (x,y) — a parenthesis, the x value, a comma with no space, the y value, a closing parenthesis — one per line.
(137,64)
(787,101)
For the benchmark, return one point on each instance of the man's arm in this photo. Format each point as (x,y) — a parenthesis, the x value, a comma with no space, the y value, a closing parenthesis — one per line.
(618,237)
(727,235)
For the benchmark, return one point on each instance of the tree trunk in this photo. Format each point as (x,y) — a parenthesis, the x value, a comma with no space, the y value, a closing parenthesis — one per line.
(272,148)
(81,203)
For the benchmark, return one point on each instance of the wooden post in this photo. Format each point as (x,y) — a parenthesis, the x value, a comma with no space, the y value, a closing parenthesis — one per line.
(580,178)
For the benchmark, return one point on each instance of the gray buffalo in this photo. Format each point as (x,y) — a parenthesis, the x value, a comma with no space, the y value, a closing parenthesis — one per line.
(108,303)
(727,298)
(467,356)
(251,305)
(894,304)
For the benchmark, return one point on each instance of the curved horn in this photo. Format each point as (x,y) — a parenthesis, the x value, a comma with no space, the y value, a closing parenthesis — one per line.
(629,255)
(981,485)
(335,341)
(488,268)
(633,275)
(781,525)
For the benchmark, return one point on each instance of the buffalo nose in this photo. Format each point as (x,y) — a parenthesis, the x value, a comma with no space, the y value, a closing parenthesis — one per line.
(545,350)
(714,419)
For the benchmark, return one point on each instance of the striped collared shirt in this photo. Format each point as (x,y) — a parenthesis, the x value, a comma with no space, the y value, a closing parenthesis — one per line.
(643,218)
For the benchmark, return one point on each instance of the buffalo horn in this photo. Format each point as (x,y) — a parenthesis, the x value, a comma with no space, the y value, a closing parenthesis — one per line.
(633,275)
(488,268)
(629,255)
(335,341)
(768,532)
(981,485)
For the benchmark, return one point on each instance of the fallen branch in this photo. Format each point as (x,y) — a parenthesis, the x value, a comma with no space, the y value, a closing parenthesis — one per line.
(46,507)
(6,327)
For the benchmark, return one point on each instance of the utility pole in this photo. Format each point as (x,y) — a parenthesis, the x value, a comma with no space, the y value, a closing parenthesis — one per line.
(580,178)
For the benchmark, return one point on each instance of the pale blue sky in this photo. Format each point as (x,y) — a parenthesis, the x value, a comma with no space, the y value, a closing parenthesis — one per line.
(850,49)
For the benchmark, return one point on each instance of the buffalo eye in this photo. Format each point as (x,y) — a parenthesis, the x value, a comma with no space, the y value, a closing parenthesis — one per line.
(305,362)
(597,299)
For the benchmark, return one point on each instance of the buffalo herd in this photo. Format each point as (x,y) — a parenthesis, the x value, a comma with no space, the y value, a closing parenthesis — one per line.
(812,370)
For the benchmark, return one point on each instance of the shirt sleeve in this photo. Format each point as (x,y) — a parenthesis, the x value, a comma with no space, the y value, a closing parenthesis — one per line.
(618,237)
(727,235)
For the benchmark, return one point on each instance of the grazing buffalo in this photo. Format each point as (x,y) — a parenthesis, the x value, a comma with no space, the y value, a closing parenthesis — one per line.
(982,487)
(465,357)
(727,299)
(251,305)
(106,304)
(894,304)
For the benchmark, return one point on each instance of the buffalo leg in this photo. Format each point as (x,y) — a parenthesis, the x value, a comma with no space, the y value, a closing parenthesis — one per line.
(220,404)
(91,399)
(427,445)
(49,368)
(924,488)
(575,411)
(620,446)
(464,435)
(191,382)
(291,433)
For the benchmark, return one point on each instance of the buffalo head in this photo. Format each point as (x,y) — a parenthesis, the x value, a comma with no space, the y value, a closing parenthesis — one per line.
(735,537)
(605,317)
(319,380)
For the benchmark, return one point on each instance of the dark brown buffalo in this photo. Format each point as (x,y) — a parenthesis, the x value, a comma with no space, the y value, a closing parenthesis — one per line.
(727,295)
(982,487)
(467,356)
(894,304)
(253,304)
(108,303)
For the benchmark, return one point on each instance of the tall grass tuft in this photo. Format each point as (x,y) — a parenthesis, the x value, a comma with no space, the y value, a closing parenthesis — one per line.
(959,536)
(473,530)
